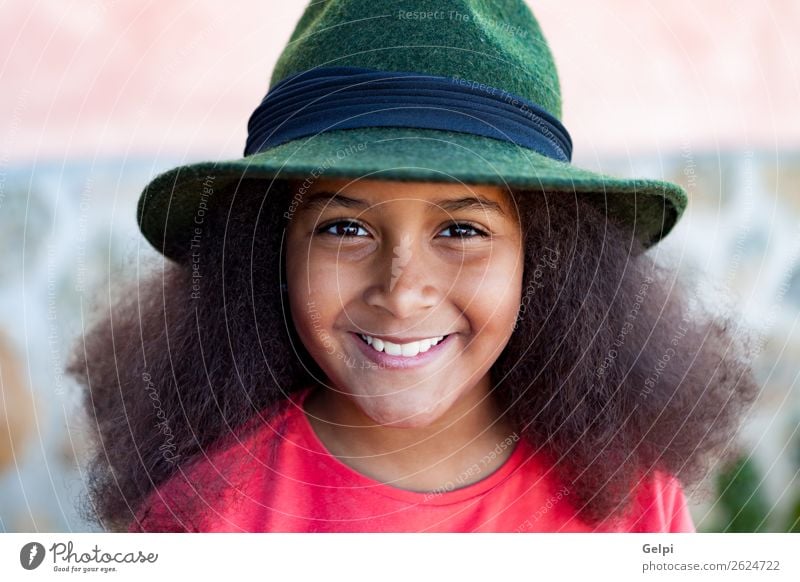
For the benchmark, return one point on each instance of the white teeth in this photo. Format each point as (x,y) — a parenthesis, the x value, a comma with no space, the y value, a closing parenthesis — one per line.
(411,350)
(408,350)
(392,349)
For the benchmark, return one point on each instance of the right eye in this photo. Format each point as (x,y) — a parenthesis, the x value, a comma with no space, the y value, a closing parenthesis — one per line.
(343,228)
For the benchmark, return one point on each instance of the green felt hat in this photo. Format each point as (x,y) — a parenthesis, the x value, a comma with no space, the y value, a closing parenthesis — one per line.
(496,46)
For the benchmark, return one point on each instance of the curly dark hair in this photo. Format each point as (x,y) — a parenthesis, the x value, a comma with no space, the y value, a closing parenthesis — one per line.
(613,370)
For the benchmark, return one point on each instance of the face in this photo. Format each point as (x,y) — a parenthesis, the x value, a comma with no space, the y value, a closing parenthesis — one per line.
(400,262)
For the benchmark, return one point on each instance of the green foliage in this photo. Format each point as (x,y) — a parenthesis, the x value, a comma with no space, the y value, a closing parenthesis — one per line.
(793,522)
(742,504)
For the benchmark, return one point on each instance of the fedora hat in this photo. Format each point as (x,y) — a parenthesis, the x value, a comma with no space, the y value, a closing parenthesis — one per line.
(451,91)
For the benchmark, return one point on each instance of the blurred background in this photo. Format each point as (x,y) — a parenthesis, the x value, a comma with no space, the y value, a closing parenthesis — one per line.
(100,96)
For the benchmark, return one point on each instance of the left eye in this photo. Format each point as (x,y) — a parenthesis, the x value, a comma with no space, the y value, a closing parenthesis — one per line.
(462,227)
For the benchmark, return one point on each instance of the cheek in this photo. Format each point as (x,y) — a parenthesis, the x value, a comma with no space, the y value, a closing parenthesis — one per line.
(318,288)
(316,273)
(490,297)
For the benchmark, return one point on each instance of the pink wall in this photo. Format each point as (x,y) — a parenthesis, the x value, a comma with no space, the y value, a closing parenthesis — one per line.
(181,77)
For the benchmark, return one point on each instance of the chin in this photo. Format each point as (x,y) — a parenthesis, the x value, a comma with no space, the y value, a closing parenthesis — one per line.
(387,411)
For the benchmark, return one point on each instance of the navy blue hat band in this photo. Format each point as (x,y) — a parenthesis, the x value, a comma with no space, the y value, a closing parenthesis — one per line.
(331,98)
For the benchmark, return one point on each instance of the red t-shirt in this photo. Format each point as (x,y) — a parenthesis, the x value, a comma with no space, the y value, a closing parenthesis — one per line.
(269,483)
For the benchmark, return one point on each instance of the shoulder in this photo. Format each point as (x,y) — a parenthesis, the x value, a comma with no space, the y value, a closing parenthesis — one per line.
(207,484)
(662,505)
(165,508)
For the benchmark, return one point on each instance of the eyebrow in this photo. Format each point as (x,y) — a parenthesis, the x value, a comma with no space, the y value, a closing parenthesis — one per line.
(321,200)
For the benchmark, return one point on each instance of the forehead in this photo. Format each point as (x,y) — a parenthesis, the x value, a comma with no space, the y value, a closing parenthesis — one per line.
(360,194)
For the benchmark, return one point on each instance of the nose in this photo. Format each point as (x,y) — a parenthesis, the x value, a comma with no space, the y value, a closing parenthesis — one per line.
(404,281)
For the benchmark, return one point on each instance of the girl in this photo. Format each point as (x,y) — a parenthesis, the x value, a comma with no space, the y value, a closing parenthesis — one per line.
(404,310)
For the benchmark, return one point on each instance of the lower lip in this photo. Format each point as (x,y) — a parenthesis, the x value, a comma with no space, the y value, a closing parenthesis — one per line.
(384,360)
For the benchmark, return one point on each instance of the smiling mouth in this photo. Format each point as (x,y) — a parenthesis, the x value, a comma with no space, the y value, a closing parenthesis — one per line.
(409,349)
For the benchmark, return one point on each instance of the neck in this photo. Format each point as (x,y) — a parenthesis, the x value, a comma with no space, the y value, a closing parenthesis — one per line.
(418,459)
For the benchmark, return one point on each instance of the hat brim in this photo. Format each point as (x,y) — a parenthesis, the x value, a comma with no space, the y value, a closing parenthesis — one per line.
(169,205)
